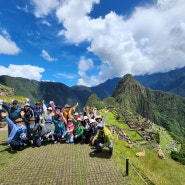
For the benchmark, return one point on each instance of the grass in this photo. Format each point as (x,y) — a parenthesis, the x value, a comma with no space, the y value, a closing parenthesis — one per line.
(5,154)
(153,169)
(9,99)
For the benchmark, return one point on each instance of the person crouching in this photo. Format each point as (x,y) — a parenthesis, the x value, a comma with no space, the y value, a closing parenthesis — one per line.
(69,131)
(33,133)
(103,137)
(46,133)
(60,129)
(18,132)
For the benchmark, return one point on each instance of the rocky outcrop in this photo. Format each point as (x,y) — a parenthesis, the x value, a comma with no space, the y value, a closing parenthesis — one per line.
(6,91)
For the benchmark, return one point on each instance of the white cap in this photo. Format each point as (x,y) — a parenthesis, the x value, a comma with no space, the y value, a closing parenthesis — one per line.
(92,121)
(85,117)
(49,108)
(79,119)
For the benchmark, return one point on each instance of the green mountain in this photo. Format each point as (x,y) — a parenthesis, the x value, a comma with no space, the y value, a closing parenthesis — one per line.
(165,109)
(172,81)
(38,91)
(58,92)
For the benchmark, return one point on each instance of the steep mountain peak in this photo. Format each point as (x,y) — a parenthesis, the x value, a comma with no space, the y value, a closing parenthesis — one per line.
(128,84)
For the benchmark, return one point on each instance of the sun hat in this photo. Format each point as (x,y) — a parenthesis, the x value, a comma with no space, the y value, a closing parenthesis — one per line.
(49,108)
(92,121)
(79,119)
(98,117)
(27,105)
(85,117)
(32,119)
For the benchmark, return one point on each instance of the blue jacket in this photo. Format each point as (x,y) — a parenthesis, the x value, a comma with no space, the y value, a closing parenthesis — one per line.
(59,129)
(13,113)
(15,130)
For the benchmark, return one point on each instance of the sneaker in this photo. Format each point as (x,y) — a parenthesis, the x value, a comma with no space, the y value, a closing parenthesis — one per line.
(55,142)
(12,150)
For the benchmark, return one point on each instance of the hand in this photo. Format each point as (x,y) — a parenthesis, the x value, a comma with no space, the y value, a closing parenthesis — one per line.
(40,117)
(43,101)
(106,111)
(27,99)
(22,113)
(51,102)
(3,114)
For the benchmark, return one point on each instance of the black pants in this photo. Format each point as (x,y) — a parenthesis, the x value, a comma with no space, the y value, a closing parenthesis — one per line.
(78,139)
(16,145)
(97,142)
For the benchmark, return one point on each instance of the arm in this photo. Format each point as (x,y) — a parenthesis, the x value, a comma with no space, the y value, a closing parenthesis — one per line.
(8,120)
(44,107)
(74,121)
(80,133)
(6,106)
(75,106)
(64,129)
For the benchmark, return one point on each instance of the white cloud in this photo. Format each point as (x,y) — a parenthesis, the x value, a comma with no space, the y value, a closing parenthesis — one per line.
(46,23)
(25,9)
(47,57)
(84,66)
(7,45)
(44,7)
(24,71)
(65,75)
(151,39)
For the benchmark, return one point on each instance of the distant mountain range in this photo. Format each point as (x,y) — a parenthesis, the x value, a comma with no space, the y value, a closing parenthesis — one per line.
(173,81)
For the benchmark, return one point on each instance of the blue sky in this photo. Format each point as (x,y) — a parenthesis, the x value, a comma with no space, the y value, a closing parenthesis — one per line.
(80,42)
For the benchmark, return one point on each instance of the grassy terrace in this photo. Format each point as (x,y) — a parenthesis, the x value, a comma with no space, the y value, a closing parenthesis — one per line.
(78,164)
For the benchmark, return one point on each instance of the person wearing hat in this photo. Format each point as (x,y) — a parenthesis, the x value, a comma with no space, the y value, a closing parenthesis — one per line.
(48,112)
(57,112)
(37,110)
(68,110)
(79,130)
(92,130)
(13,111)
(46,133)
(60,129)
(33,131)
(69,131)
(86,127)
(103,138)
(28,112)
(76,115)
(18,132)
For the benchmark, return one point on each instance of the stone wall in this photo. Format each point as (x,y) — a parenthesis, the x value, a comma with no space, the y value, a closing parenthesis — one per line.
(6,91)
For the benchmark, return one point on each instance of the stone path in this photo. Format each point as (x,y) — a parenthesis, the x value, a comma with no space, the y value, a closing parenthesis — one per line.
(62,164)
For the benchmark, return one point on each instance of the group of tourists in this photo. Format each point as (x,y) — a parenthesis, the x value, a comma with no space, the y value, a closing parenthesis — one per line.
(33,125)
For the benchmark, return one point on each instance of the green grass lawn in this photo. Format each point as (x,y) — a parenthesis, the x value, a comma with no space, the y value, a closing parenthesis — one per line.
(152,168)
(5,155)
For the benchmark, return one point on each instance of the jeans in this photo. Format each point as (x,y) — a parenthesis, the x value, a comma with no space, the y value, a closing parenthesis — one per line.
(69,138)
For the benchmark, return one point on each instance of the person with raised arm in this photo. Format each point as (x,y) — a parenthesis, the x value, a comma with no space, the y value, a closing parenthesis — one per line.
(17,134)
(103,137)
